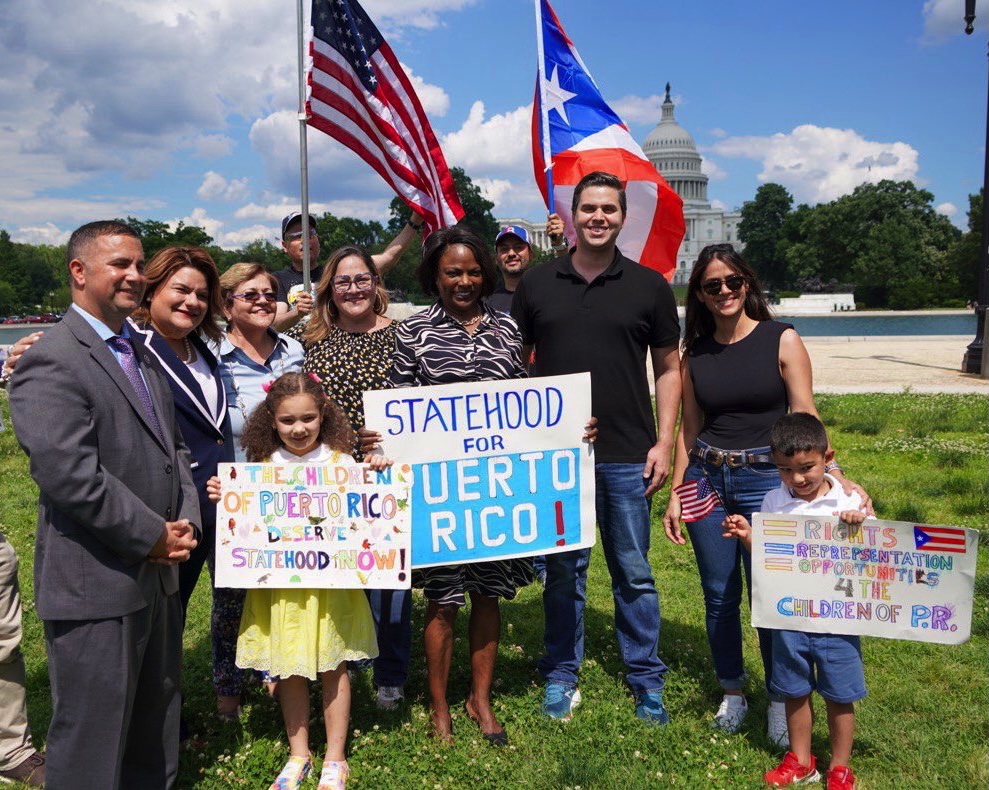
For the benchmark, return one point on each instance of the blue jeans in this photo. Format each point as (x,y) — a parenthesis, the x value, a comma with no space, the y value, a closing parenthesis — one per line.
(721,560)
(623,520)
(392,613)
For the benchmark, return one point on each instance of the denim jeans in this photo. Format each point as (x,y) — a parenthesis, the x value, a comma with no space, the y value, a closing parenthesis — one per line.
(392,613)
(623,520)
(721,560)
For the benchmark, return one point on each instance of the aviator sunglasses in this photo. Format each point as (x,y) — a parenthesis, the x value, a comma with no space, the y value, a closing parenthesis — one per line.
(713,287)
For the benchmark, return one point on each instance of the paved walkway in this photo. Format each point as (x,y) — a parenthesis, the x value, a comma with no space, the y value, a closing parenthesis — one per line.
(892,364)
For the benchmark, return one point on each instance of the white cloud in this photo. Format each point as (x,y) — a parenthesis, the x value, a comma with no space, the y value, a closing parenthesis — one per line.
(212,146)
(217,187)
(719,205)
(818,164)
(639,109)
(718,133)
(500,143)
(712,170)
(944,19)
(41,234)
(433,98)
(948,209)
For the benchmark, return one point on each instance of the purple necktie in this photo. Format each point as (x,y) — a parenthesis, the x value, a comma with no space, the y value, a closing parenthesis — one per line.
(128,362)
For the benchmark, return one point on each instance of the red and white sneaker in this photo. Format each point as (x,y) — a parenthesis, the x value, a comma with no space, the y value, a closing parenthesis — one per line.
(841,778)
(791,772)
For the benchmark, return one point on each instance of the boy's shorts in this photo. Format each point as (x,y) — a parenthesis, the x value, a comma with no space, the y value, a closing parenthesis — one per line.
(831,664)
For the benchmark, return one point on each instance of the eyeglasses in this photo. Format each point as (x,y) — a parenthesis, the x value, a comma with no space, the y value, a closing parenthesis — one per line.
(255,296)
(363,282)
(297,234)
(713,287)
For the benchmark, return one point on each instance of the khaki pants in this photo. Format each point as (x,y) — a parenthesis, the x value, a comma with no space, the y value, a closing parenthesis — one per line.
(15,738)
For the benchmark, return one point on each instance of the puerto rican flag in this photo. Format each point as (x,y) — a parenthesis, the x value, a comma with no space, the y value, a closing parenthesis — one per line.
(585,135)
(949,539)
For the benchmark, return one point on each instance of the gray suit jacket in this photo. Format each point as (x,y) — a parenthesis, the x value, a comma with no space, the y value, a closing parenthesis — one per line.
(107,482)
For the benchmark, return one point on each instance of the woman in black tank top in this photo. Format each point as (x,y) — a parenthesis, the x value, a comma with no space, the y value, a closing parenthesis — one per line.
(741,371)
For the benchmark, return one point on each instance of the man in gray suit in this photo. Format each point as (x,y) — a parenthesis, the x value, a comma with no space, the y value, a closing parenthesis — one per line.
(117,511)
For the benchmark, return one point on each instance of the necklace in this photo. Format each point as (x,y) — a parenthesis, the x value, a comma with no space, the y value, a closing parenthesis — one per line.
(469,321)
(190,352)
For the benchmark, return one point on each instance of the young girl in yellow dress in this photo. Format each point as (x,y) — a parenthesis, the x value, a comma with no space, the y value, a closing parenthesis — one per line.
(295,634)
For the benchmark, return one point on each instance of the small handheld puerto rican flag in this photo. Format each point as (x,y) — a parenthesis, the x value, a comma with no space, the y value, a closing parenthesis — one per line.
(697,499)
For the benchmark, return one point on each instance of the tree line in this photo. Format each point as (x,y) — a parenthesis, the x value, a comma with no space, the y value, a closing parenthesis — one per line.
(34,278)
(885,242)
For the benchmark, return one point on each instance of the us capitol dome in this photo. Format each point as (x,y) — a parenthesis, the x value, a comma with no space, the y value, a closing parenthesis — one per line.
(673,152)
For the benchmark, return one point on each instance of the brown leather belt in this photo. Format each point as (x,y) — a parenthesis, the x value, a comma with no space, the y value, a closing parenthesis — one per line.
(732,459)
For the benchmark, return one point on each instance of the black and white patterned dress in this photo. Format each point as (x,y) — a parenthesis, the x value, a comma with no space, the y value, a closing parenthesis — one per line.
(431,348)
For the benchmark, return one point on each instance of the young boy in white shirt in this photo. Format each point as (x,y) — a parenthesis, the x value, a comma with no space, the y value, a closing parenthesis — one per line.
(803,662)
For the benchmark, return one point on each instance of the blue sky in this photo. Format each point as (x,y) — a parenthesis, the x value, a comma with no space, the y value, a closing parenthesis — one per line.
(186,110)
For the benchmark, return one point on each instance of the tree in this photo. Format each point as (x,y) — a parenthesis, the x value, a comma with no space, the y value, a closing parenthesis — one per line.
(761,229)
(963,259)
(876,237)
(156,235)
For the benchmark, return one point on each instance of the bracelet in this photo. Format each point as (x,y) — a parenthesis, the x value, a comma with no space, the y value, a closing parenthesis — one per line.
(832,466)
(412,225)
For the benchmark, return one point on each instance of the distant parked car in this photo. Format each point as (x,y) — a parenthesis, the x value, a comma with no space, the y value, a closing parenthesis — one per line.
(14,319)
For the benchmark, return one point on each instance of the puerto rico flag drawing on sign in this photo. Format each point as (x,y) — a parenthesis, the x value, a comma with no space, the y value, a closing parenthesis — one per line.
(931,538)
(585,135)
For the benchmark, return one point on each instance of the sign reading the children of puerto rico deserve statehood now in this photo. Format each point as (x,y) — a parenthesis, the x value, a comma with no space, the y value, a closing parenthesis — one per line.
(500,467)
(313,525)
(891,579)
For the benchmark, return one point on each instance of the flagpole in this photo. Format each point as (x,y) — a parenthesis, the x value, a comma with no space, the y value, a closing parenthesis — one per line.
(303,151)
(543,109)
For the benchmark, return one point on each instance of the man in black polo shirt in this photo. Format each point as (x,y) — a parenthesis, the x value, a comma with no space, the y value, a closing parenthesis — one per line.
(595,310)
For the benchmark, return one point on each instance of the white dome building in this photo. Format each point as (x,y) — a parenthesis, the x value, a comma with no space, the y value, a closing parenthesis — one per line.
(672,150)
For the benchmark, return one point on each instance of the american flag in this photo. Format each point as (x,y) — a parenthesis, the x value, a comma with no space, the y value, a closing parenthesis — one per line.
(585,135)
(360,95)
(697,499)
(949,539)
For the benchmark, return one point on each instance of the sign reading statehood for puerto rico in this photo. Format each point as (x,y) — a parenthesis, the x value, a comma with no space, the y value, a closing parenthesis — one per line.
(500,467)
(883,578)
(313,525)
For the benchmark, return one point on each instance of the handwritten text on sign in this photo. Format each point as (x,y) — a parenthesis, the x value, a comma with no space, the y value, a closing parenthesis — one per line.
(304,525)
(884,578)
(500,469)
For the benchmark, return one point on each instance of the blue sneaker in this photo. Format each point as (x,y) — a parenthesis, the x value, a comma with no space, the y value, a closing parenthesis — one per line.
(649,708)
(559,701)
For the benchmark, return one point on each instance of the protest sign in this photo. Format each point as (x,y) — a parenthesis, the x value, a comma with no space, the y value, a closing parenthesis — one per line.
(891,579)
(500,467)
(313,525)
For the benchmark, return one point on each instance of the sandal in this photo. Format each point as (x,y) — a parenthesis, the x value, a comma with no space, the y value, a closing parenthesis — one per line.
(293,774)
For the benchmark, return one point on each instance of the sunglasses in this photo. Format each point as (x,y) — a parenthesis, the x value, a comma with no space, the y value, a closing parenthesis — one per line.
(713,287)
(363,282)
(255,296)
(297,234)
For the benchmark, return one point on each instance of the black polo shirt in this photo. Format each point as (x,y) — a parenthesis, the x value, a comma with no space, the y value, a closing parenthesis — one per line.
(605,327)
(290,281)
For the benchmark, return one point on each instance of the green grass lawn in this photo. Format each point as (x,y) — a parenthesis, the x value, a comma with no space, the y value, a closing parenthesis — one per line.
(924,723)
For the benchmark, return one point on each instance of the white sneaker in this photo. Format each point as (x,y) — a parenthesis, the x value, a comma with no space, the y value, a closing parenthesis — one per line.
(389,697)
(776,725)
(731,713)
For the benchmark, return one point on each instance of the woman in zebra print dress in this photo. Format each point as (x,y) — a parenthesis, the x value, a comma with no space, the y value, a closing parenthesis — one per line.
(460,339)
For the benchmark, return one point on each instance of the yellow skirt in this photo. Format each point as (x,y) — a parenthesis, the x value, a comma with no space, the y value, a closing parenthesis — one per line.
(304,632)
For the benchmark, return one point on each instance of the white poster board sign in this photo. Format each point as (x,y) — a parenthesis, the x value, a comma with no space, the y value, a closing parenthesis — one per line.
(500,467)
(891,579)
(313,526)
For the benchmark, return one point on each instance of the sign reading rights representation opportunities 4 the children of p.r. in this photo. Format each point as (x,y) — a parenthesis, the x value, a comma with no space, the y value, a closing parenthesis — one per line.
(891,579)
(500,467)
(313,525)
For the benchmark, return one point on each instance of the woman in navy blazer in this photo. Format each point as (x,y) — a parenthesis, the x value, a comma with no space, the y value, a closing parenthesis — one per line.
(177,316)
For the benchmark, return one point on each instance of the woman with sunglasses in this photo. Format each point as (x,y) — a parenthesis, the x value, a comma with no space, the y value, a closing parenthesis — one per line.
(741,371)
(349,346)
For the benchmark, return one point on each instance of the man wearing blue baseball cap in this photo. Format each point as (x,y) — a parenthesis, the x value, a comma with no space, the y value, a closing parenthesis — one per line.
(513,254)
